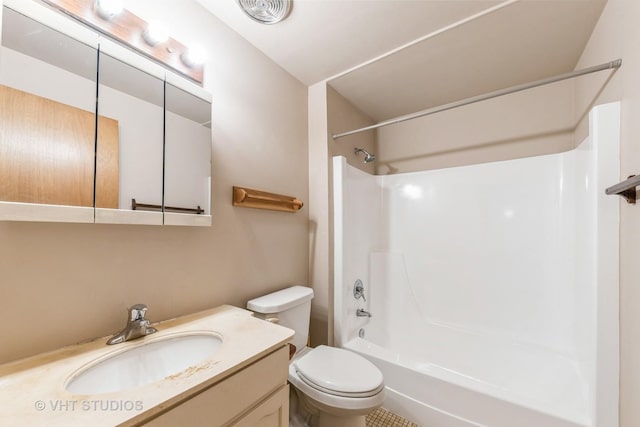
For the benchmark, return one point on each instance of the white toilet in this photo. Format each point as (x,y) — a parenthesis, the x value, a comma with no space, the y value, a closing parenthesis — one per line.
(339,387)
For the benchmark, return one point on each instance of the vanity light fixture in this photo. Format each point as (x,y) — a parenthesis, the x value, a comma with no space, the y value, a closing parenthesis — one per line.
(155,33)
(107,9)
(148,38)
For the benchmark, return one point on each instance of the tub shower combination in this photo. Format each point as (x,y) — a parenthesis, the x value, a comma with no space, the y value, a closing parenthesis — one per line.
(492,288)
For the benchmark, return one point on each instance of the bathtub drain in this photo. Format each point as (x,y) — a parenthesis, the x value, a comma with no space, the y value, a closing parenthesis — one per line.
(361,333)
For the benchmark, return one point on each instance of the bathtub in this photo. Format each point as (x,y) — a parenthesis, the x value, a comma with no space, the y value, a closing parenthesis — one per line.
(499,308)
(443,392)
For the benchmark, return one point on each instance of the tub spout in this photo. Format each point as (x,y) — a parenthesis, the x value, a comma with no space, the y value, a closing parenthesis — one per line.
(362,313)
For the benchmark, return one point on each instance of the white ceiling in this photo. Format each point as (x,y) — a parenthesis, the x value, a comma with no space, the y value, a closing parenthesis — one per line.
(321,38)
(445,50)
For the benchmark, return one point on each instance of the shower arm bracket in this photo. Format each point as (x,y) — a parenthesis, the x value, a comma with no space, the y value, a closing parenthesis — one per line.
(626,189)
(629,196)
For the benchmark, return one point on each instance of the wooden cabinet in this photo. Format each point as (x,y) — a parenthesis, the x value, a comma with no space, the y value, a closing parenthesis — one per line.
(52,138)
(257,395)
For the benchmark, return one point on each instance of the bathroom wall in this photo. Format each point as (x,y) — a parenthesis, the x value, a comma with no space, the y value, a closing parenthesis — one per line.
(65,283)
(530,123)
(343,116)
(320,273)
(329,113)
(617,35)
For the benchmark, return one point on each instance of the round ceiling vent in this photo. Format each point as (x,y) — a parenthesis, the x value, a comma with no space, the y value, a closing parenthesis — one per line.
(266,11)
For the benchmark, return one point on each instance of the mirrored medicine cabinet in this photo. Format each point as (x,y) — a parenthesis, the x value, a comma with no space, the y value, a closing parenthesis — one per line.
(93,132)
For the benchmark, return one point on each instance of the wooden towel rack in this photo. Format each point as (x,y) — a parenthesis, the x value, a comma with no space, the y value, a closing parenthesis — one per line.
(248,198)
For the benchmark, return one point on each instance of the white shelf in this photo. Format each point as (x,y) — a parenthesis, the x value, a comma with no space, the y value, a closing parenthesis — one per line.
(121,216)
(13,211)
(171,218)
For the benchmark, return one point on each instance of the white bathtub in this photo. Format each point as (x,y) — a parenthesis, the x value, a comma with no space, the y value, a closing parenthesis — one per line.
(437,383)
(494,306)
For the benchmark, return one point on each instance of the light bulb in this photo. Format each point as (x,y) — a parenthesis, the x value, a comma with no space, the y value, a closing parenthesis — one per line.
(109,8)
(194,56)
(155,33)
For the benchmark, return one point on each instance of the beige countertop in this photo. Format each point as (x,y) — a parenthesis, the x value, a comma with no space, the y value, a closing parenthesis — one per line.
(32,390)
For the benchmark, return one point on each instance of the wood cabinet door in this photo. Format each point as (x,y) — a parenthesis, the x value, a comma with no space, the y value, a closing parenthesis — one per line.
(47,150)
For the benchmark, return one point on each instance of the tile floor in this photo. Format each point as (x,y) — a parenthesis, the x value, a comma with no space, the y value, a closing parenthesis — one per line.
(383,418)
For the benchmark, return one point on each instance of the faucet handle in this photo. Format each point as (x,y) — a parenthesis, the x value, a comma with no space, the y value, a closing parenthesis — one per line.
(137,312)
(358,290)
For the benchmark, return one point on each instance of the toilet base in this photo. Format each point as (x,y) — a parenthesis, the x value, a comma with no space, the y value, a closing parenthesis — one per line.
(318,414)
(328,420)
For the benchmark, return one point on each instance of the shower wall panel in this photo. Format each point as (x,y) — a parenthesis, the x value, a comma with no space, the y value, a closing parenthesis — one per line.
(513,263)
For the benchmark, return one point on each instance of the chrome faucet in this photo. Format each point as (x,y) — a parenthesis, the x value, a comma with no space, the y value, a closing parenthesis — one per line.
(137,326)
(362,313)
(358,290)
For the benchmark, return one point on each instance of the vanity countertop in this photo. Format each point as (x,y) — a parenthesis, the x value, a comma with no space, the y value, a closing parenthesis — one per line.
(32,390)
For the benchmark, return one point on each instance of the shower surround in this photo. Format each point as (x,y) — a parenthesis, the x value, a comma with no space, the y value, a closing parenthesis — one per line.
(493,288)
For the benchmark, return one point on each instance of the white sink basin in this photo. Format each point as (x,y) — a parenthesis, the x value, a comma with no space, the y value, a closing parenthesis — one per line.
(144,364)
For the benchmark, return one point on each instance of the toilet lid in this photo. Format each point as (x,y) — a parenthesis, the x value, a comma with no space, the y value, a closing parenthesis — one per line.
(339,371)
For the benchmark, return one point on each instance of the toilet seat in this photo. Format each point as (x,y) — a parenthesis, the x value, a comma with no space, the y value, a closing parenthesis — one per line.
(339,393)
(339,372)
(328,400)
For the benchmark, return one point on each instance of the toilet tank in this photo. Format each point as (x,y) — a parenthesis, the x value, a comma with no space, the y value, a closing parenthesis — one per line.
(290,307)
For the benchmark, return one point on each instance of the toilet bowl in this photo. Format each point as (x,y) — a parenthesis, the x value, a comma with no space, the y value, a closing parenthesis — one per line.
(338,386)
(333,386)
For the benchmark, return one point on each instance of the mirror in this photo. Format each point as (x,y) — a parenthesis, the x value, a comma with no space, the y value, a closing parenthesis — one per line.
(47,115)
(187,187)
(92,134)
(129,156)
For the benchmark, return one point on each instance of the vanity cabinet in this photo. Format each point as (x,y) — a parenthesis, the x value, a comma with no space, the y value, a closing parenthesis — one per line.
(242,381)
(256,396)
(91,131)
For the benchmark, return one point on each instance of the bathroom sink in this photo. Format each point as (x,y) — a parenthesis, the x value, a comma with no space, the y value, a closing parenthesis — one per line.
(143,364)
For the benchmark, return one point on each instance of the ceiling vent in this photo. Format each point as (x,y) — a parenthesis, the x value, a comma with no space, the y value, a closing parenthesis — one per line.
(266,11)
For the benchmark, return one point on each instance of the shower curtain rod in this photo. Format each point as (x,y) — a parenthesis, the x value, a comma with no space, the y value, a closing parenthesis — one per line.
(613,64)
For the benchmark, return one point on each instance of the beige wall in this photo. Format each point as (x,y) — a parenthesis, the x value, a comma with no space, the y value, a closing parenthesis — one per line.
(319,272)
(64,283)
(329,113)
(533,122)
(617,35)
(343,116)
